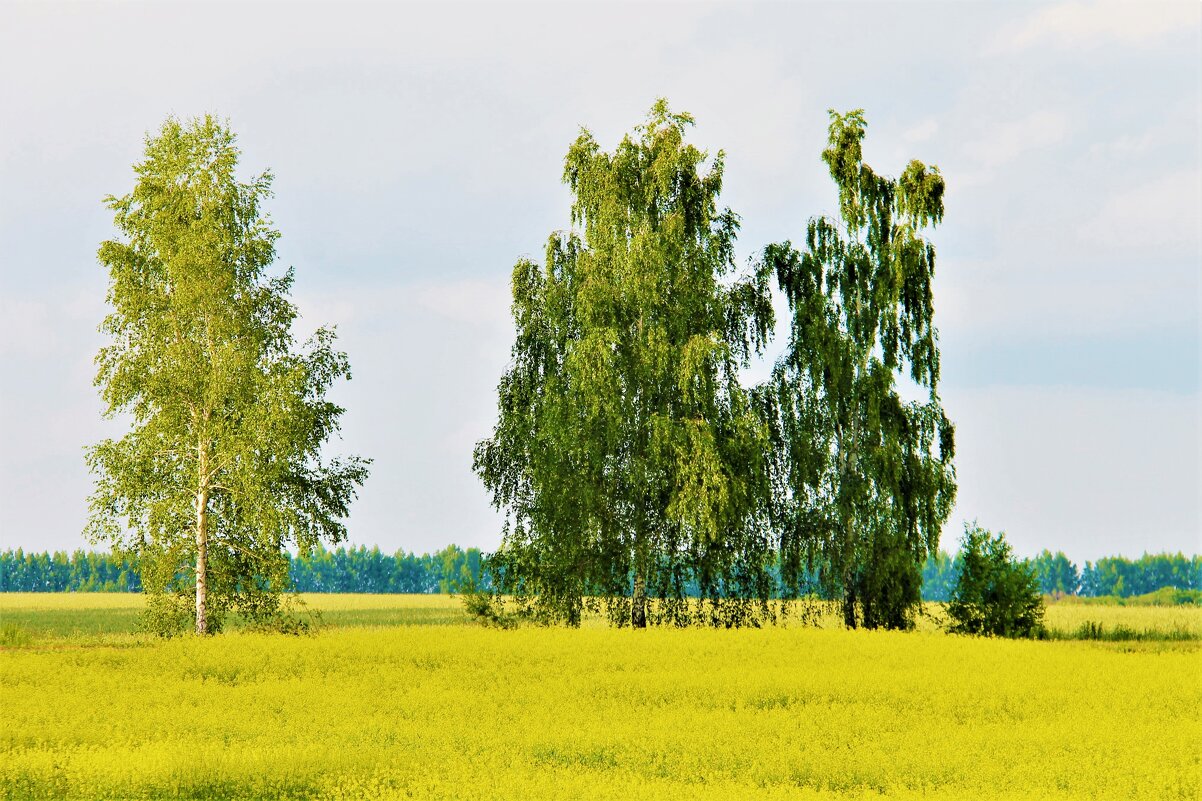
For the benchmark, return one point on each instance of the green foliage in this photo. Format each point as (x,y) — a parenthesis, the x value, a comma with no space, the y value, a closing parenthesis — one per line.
(358,569)
(627,456)
(458,569)
(14,636)
(222,465)
(995,594)
(81,571)
(1168,596)
(172,614)
(1056,574)
(290,617)
(1096,631)
(1165,596)
(485,608)
(863,479)
(1116,575)
(369,570)
(939,576)
(1155,579)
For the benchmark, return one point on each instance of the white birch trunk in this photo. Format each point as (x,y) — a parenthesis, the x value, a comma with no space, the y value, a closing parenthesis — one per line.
(202,540)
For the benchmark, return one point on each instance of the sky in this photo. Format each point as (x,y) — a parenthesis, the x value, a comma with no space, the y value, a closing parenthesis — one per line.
(417,152)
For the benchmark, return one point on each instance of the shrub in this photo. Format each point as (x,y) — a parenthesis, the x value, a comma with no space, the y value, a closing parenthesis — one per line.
(168,614)
(995,594)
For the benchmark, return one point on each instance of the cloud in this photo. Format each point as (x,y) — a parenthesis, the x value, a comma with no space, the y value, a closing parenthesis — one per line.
(1091,25)
(32,328)
(25,328)
(1125,146)
(1165,212)
(475,302)
(1008,142)
(921,132)
(991,302)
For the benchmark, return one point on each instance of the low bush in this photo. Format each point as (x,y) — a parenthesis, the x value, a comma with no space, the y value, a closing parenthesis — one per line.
(995,594)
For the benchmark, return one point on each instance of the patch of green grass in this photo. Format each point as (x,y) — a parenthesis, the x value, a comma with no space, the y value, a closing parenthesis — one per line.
(70,623)
(1165,596)
(14,636)
(1093,630)
(400,616)
(1168,596)
(103,617)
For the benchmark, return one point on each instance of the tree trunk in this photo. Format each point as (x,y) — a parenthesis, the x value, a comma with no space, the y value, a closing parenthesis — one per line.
(638,607)
(202,542)
(849,607)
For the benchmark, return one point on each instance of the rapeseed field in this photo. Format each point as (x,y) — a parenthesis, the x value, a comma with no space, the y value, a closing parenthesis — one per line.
(455,711)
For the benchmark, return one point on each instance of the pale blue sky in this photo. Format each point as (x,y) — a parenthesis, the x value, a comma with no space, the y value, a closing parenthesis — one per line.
(417,152)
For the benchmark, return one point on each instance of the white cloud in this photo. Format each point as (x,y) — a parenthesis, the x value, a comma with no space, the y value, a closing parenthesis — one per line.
(475,302)
(921,132)
(1009,141)
(25,328)
(1124,147)
(982,302)
(1089,25)
(1165,212)
(32,327)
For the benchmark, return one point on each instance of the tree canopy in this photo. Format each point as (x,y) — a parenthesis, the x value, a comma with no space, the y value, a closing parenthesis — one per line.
(995,594)
(863,479)
(627,455)
(223,461)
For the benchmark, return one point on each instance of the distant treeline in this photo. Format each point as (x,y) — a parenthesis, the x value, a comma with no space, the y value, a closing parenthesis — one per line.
(343,570)
(1058,575)
(452,569)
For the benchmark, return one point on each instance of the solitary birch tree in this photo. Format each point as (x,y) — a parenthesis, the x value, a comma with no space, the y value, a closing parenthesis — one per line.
(628,458)
(864,479)
(222,464)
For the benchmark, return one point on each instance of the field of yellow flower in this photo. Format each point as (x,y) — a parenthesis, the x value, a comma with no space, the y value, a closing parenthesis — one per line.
(367,709)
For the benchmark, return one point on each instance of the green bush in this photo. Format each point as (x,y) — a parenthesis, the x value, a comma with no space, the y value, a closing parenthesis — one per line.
(995,594)
(1167,596)
(168,614)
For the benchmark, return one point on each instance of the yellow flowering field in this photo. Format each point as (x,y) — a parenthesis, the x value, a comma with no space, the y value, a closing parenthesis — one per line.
(464,712)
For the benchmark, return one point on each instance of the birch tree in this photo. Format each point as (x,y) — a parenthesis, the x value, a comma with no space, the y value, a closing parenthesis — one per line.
(223,464)
(863,479)
(627,456)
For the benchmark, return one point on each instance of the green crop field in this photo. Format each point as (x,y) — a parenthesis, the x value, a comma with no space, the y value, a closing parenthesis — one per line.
(403,697)
(96,617)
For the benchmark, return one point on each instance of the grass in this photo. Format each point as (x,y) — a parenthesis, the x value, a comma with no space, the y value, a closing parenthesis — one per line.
(368,709)
(1069,620)
(99,617)
(1165,596)
(114,618)
(1090,630)
(13,635)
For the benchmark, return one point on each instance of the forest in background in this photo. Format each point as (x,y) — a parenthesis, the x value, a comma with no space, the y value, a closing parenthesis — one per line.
(369,570)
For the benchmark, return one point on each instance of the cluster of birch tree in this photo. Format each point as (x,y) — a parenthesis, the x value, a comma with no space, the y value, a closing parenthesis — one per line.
(634,466)
(630,459)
